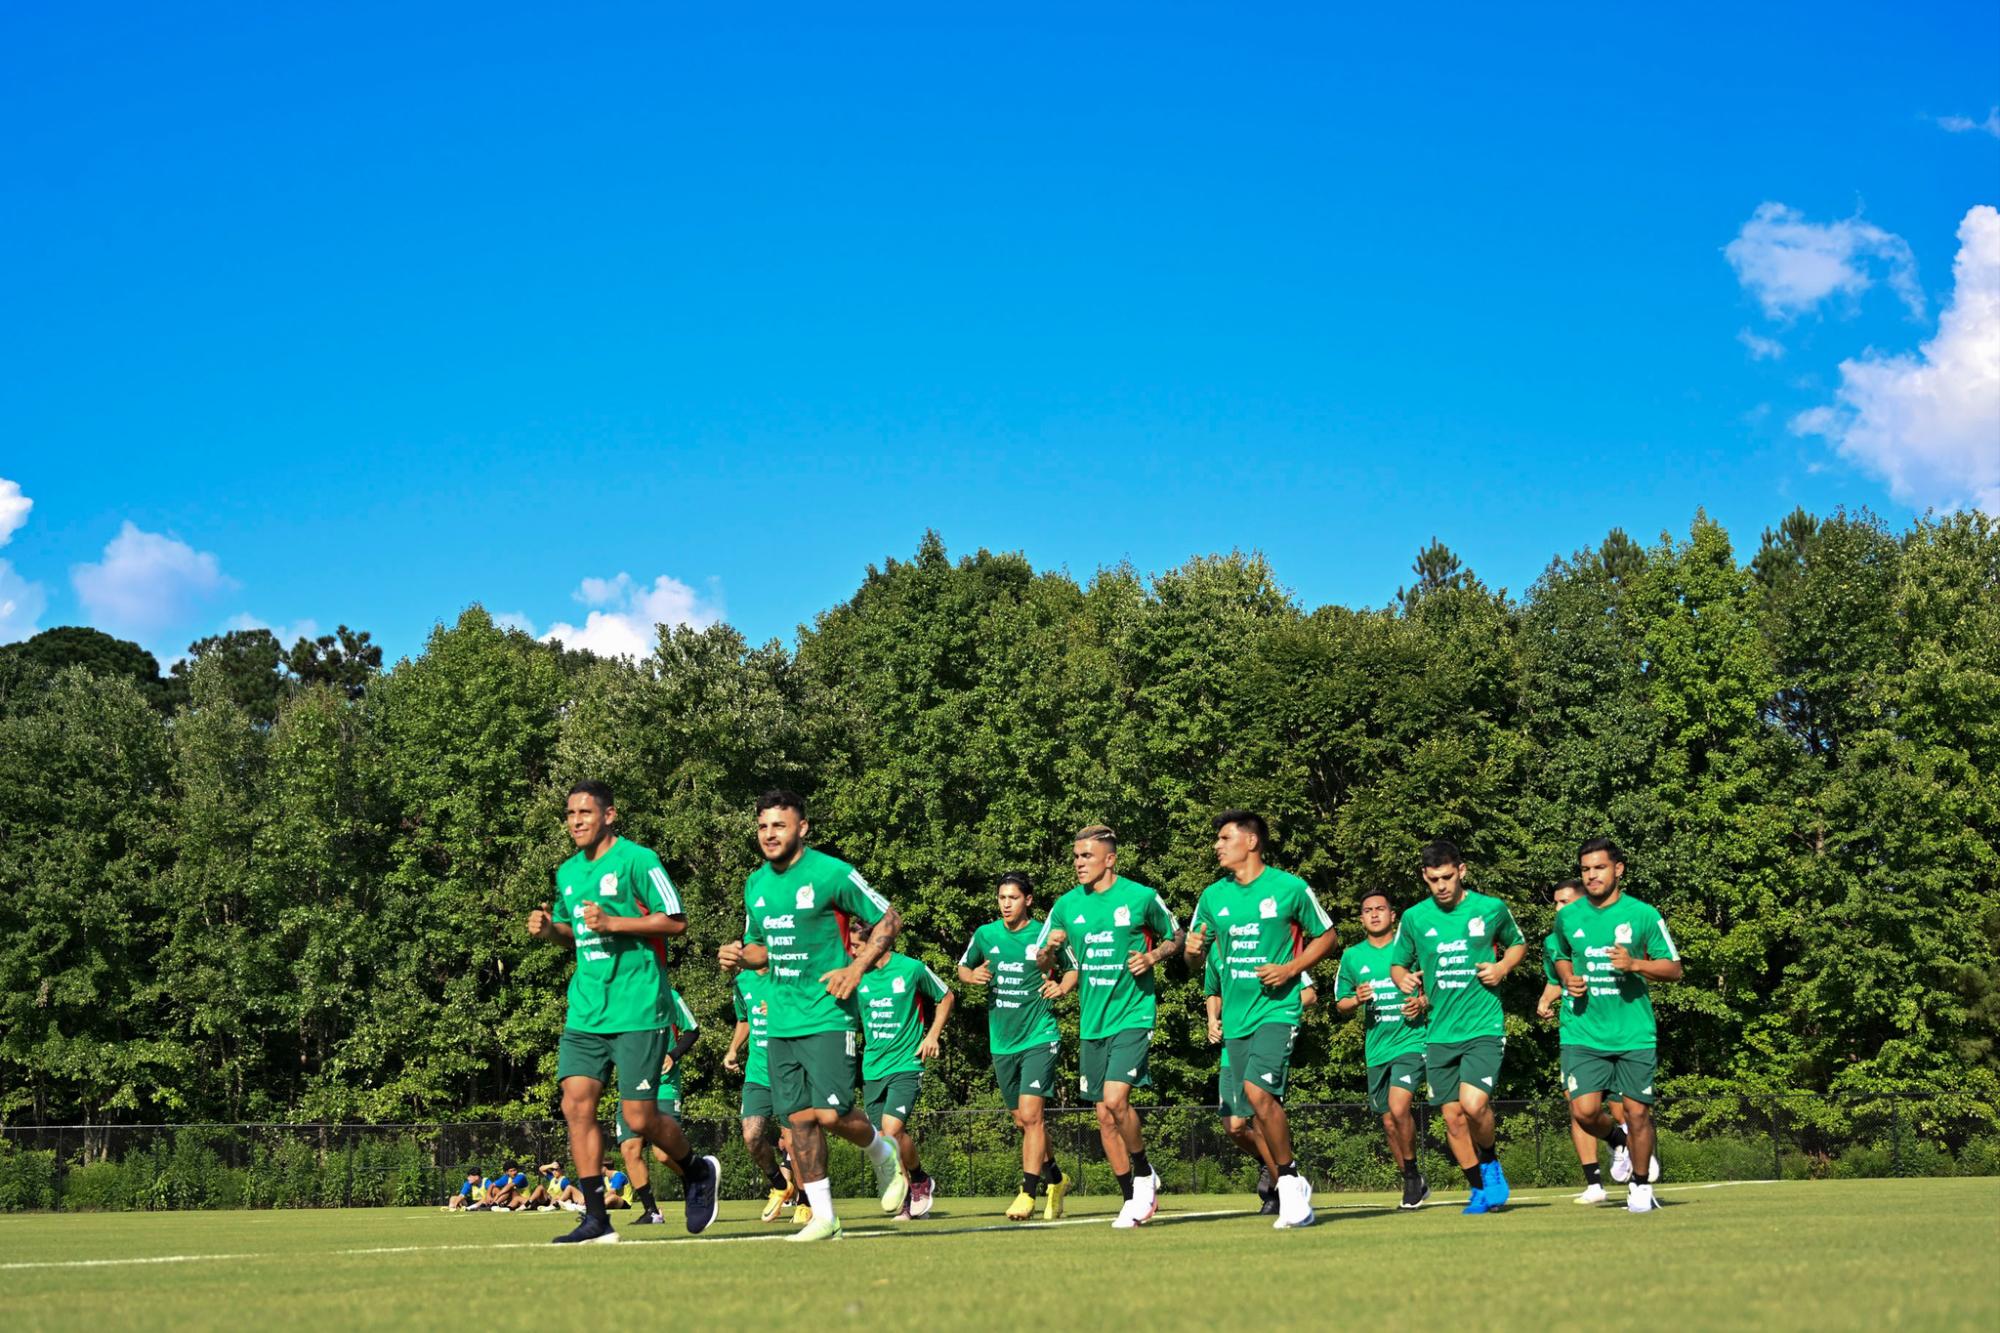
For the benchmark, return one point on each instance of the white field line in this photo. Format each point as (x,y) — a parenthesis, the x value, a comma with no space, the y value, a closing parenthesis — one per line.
(874,1233)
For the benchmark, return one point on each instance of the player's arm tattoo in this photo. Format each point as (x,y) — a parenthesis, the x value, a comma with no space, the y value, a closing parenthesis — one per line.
(881,939)
(1169,948)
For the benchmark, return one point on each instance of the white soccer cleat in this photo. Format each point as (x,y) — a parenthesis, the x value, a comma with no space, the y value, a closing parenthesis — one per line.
(1621,1164)
(1294,1203)
(1653,1169)
(1592,1194)
(1639,1199)
(1131,1215)
(895,1186)
(1146,1194)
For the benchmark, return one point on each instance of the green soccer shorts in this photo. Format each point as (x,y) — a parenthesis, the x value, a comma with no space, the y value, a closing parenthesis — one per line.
(892,1094)
(1403,1071)
(1229,1091)
(814,1072)
(671,1109)
(636,1055)
(1456,1064)
(1625,1074)
(757,1101)
(1029,1073)
(1118,1058)
(1262,1059)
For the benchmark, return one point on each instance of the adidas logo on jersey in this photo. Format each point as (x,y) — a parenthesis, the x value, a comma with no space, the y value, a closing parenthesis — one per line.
(1223,912)
(1431,933)
(902,1110)
(759,902)
(1579,933)
(1078,921)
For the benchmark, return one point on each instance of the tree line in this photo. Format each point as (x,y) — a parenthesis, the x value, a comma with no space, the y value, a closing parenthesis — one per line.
(287,884)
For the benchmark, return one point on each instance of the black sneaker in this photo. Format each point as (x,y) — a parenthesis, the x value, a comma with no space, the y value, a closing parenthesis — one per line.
(590,1231)
(653,1219)
(1415,1190)
(1268,1207)
(1266,1187)
(703,1175)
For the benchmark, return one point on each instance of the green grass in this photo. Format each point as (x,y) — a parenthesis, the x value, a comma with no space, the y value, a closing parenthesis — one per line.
(1833,1254)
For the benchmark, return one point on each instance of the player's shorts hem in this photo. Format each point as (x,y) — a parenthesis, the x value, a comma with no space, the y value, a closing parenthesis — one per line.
(813,1072)
(637,1057)
(892,1094)
(1451,1065)
(1627,1075)
(1121,1057)
(1404,1071)
(1026,1073)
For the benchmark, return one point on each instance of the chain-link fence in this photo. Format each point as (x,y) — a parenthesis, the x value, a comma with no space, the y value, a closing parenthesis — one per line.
(1340,1145)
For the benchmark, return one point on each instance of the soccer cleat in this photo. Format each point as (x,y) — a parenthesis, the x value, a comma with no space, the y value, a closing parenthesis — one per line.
(1495,1183)
(1653,1169)
(1294,1203)
(589,1231)
(774,1204)
(546,1208)
(895,1186)
(1415,1190)
(921,1197)
(1131,1215)
(570,1207)
(1478,1203)
(1267,1203)
(1146,1193)
(704,1174)
(1057,1191)
(1592,1194)
(820,1228)
(1639,1199)
(1022,1208)
(1621,1164)
(650,1220)
(802,1214)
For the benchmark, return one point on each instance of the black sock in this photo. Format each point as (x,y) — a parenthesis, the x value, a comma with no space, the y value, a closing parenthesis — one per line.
(917,1176)
(1641,1178)
(1031,1184)
(1593,1174)
(1125,1185)
(775,1177)
(1474,1178)
(1140,1166)
(644,1194)
(683,1161)
(593,1197)
(1052,1172)
(1616,1138)
(1410,1171)
(1288,1169)
(1487,1154)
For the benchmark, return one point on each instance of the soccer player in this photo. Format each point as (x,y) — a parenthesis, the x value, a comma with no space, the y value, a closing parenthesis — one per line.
(1022,1035)
(796,905)
(667,1100)
(1445,945)
(896,997)
(1125,931)
(618,908)
(1555,1006)
(1269,929)
(1395,1035)
(753,1022)
(1609,946)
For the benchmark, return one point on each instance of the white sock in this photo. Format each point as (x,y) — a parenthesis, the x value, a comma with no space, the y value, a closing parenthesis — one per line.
(881,1150)
(819,1197)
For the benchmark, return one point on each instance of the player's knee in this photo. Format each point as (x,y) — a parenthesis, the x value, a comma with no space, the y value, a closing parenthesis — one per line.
(754,1130)
(1638,1115)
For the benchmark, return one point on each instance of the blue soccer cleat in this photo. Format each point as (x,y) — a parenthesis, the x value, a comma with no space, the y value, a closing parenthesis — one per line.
(1494,1184)
(1479,1203)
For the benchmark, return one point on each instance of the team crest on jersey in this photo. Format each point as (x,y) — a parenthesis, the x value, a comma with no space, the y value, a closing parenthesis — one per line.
(1622,935)
(805,896)
(1034,952)
(1476,926)
(895,985)
(608,885)
(1268,908)
(1122,917)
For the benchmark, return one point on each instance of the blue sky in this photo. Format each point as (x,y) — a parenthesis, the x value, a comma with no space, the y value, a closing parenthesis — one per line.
(365,314)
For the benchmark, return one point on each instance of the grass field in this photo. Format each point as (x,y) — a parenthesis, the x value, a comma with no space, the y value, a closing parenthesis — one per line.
(1853,1254)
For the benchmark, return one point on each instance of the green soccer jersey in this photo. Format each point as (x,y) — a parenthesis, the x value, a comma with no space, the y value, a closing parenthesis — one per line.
(681,1018)
(752,1007)
(1565,1003)
(1017,1016)
(1267,920)
(1446,947)
(801,917)
(1101,929)
(1616,1013)
(1389,1034)
(620,982)
(896,999)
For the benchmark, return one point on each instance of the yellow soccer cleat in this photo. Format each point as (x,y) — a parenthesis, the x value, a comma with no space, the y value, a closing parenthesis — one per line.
(1022,1208)
(1056,1191)
(774,1204)
(802,1215)
(820,1228)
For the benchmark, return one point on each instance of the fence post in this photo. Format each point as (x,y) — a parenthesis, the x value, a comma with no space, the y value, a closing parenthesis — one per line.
(1896,1135)
(1777,1153)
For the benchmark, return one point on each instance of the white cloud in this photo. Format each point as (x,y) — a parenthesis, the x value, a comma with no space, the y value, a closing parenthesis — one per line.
(1760,348)
(14,508)
(1929,422)
(514,620)
(627,627)
(1965,124)
(286,635)
(147,582)
(1791,265)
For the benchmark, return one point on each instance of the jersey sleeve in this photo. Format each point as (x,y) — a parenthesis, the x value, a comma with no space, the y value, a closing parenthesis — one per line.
(656,892)
(1159,920)
(1312,918)
(753,929)
(1211,974)
(736,1002)
(1403,949)
(1558,944)
(1203,920)
(1049,921)
(931,984)
(1343,980)
(1506,933)
(854,895)
(1659,943)
(975,952)
(684,1019)
(1069,959)
(1550,948)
